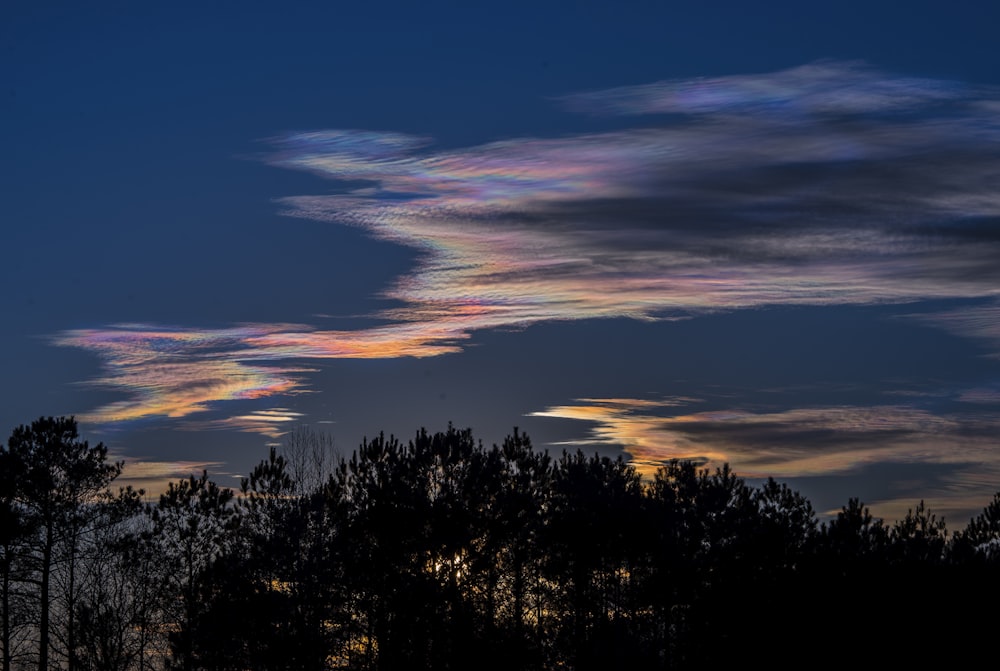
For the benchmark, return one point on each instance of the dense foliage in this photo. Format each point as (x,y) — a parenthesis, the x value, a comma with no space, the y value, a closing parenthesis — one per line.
(440,553)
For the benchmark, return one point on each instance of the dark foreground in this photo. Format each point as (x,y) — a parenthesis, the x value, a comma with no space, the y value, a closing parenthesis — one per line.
(443,554)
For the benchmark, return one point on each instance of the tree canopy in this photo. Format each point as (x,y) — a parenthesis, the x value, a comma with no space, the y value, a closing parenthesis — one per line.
(442,553)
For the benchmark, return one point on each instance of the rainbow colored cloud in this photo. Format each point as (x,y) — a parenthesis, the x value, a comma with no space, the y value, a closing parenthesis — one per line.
(821,185)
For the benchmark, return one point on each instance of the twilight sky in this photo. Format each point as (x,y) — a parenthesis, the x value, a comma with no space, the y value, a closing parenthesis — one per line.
(768,237)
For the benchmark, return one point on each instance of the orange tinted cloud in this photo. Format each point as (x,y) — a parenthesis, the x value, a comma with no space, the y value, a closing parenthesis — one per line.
(823,185)
(801,442)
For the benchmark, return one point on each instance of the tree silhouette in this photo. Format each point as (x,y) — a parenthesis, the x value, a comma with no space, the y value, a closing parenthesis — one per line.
(384,546)
(515,543)
(920,537)
(785,529)
(193,525)
(981,537)
(855,535)
(59,477)
(15,531)
(110,608)
(594,505)
(442,554)
(266,597)
(310,459)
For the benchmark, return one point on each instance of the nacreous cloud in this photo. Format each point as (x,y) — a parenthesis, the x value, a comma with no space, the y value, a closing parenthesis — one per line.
(801,442)
(789,443)
(826,184)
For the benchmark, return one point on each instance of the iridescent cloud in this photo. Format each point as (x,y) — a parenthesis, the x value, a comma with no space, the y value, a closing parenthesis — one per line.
(819,88)
(153,476)
(981,322)
(272,422)
(826,184)
(801,442)
(176,372)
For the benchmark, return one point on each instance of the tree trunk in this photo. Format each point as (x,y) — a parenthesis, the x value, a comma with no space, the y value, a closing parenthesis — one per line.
(6,611)
(43,621)
(71,606)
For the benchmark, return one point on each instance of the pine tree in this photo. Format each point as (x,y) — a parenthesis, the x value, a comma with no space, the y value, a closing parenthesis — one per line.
(60,477)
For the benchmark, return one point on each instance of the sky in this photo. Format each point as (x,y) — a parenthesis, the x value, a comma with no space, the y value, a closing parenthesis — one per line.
(764,235)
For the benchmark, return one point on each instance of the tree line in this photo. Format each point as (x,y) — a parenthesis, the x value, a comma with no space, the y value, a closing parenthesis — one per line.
(441,553)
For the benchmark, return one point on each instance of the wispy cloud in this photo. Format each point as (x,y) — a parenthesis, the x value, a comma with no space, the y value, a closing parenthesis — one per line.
(972,321)
(798,442)
(790,443)
(177,372)
(153,476)
(982,396)
(825,88)
(827,184)
(272,422)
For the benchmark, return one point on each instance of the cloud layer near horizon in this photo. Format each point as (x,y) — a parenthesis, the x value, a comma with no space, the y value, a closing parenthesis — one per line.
(802,442)
(826,184)
(797,442)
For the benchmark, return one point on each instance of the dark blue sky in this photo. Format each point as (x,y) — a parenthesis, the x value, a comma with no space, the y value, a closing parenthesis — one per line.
(699,230)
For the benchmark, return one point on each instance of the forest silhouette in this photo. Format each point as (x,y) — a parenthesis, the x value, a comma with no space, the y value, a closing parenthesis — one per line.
(441,553)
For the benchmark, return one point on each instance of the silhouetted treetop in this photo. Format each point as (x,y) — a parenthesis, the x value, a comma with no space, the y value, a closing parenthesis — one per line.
(442,553)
